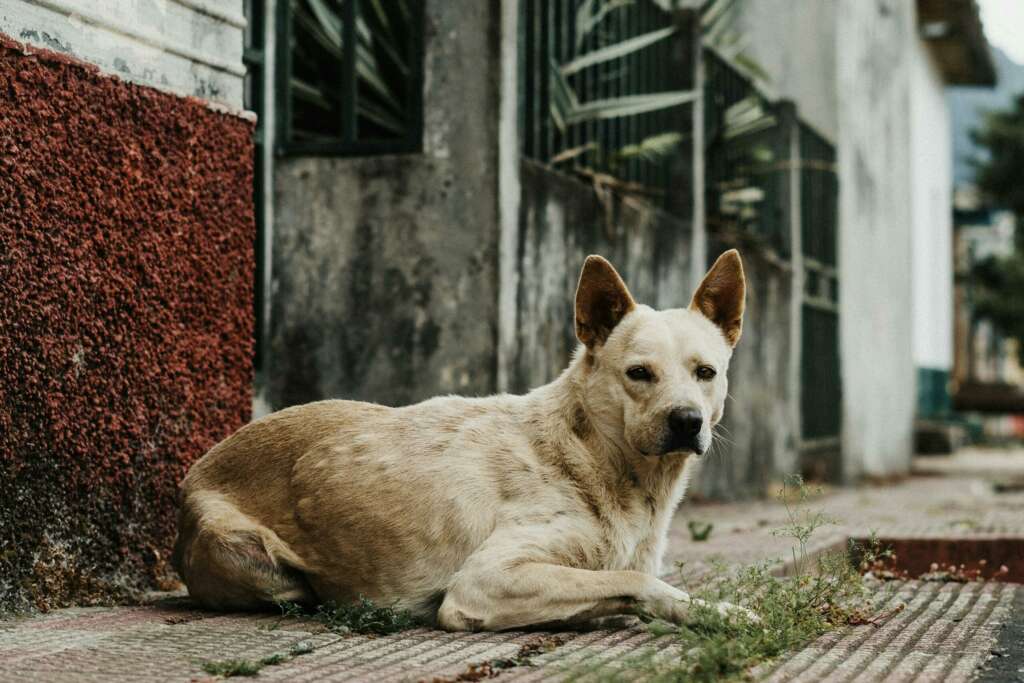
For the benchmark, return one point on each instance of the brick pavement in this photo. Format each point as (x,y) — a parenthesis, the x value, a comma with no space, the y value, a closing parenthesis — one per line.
(947,632)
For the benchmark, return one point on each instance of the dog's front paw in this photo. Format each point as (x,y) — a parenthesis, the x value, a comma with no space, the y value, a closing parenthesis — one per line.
(737,615)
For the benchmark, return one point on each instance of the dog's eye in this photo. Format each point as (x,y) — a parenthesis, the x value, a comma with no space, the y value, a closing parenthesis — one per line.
(705,373)
(639,373)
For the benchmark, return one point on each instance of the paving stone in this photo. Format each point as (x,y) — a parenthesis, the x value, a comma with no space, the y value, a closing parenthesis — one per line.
(946,632)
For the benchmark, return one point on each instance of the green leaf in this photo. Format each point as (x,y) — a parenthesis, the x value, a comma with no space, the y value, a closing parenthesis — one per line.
(651,148)
(630,105)
(329,21)
(589,15)
(563,98)
(616,50)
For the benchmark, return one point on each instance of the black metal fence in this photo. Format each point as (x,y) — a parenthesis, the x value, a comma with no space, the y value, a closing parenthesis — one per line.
(748,156)
(350,76)
(821,394)
(759,153)
(554,33)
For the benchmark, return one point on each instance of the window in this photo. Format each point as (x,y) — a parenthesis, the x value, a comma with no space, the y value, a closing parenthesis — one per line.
(352,76)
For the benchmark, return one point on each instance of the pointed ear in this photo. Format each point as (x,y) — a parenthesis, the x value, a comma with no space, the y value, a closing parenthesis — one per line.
(721,295)
(601,301)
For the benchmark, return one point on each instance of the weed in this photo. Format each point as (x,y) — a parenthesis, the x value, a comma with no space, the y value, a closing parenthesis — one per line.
(699,531)
(362,616)
(875,561)
(232,667)
(247,667)
(961,573)
(823,593)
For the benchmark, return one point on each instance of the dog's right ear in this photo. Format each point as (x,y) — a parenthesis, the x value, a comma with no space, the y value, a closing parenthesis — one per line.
(602,300)
(721,296)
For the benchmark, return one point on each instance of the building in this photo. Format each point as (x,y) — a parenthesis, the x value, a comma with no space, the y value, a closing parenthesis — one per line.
(449,266)
(873,81)
(987,378)
(426,180)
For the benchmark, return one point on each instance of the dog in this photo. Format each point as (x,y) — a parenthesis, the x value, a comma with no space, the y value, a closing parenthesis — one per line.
(481,513)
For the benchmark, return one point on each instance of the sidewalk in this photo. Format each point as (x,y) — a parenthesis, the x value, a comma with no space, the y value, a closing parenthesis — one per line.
(948,631)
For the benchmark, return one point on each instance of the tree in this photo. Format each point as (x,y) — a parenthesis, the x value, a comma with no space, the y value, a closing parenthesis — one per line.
(999,281)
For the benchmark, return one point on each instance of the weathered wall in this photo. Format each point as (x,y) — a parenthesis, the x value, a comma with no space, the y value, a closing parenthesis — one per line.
(189,47)
(855,87)
(875,235)
(759,434)
(561,222)
(794,42)
(385,268)
(125,319)
(931,177)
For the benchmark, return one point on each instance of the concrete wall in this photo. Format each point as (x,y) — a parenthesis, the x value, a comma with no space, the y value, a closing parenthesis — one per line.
(561,222)
(873,77)
(385,268)
(794,42)
(188,47)
(760,430)
(851,75)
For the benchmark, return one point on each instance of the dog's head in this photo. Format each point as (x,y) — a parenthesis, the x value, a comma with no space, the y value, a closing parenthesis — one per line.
(655,381)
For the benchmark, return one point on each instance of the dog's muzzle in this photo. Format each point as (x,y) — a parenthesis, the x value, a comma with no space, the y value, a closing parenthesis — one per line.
(684,430)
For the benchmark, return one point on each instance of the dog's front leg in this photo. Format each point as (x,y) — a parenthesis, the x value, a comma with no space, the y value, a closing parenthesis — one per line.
(537,593)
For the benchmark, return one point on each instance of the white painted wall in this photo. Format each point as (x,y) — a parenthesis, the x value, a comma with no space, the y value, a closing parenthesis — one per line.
(849,65)
(931,212)
(794,42)
(189,47)
(873,76)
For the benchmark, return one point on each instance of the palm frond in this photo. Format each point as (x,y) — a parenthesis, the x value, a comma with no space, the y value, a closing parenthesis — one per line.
(590,14)
(650,148)
(617,50)
(630,105)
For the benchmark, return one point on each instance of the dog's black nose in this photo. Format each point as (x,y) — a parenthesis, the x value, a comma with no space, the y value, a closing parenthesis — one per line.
(684,424)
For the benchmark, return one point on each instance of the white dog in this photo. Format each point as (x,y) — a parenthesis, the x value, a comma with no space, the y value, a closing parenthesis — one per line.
(490,513)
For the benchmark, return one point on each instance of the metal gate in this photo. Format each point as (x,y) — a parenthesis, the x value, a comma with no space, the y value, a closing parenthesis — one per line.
(820,388)
(771,181)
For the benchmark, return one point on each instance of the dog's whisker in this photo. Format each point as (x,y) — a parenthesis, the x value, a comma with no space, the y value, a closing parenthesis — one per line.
(722,437)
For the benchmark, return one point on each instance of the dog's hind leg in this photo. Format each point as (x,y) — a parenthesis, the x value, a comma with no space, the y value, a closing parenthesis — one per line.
(230,561)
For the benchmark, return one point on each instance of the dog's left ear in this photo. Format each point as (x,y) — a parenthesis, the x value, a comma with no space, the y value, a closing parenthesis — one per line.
(721,295)
(602,300)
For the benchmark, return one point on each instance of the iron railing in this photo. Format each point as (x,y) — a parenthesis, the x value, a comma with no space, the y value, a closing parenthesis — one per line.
(350,75)
(758,152)
(551,37)
(747,158)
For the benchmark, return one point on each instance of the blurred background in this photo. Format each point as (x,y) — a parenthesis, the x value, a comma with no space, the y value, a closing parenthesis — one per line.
(423,230)
(283,201)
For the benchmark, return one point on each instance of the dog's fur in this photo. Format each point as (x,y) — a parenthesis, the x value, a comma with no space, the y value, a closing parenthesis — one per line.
(490,513)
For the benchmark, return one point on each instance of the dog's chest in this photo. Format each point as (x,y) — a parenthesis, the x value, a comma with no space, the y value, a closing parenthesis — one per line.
(630,534)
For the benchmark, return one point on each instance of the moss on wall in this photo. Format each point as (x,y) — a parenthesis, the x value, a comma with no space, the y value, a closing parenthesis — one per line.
(126,263)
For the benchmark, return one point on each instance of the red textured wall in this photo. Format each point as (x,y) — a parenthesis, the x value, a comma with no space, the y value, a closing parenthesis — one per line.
(126,272)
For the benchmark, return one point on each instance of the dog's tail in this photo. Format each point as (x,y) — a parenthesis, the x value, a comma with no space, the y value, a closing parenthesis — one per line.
(228,560)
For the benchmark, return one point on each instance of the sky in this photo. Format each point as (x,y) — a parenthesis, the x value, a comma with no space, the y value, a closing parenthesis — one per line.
(1004,26)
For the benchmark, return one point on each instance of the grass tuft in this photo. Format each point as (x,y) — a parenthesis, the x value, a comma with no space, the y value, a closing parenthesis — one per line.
(363,616)
(247,667)
(232,667)
(823,593)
